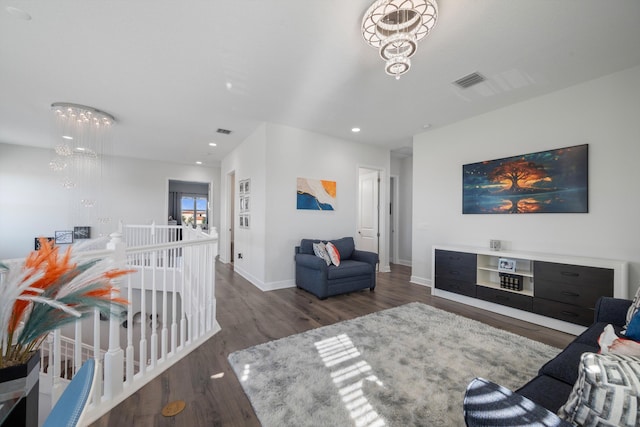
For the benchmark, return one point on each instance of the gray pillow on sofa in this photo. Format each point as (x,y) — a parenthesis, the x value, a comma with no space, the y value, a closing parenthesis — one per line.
(607,392)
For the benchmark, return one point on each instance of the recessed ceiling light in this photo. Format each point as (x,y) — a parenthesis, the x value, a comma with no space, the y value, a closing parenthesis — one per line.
(213,144)
(229,86)
(67,137)
(198,163)
(80,148)
(18,13)
(355,130)
(427,126)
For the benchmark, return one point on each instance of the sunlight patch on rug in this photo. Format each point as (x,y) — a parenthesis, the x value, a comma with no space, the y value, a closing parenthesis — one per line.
(349,380)
(405,366)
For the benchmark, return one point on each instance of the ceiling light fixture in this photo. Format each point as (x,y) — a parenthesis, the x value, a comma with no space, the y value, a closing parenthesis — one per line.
(355,130)
(80,150)
(213,144)
(394,27)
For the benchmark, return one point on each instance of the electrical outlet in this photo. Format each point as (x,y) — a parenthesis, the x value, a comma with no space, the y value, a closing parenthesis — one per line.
(239,255)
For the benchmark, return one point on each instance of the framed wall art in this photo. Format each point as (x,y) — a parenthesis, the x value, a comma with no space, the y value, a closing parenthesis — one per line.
(245,186)
(64,237)
(81,233)
(316,194)
(36,244)
(244,221)
(553,181)
(244,204)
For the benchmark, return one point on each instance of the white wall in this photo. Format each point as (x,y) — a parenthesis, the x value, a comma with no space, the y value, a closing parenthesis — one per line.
(290,153)
(402,167)
(33,203)
(248,162)
(603,113)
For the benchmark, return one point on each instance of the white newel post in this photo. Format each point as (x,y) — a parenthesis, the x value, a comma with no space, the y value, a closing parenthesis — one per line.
(55,362)
(114,358)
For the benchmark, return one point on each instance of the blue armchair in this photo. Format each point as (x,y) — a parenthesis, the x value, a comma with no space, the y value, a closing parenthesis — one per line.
(357,269)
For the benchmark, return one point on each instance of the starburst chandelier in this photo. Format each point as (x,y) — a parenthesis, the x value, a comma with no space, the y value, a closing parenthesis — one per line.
(394,27)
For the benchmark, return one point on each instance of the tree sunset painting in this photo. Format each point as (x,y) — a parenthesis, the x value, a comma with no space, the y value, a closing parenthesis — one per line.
(554,181)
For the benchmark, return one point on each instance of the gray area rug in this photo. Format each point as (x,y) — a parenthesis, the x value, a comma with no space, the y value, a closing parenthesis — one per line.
(405,366)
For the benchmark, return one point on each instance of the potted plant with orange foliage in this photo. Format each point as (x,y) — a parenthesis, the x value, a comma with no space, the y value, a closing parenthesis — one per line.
(45,292)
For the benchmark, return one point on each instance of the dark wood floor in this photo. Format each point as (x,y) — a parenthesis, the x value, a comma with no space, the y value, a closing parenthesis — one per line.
(248,317)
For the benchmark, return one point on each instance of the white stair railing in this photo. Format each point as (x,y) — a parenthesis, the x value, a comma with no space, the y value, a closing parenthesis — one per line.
(172,310)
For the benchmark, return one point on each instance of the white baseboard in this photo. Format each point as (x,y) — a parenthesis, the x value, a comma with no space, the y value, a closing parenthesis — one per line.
(420,281)
(271,286)
(283,284)
(405,262)
(384,268)
(252,279)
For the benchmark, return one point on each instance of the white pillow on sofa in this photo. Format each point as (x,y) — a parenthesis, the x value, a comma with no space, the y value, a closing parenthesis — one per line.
(611,343)
(606,393)
(320,250)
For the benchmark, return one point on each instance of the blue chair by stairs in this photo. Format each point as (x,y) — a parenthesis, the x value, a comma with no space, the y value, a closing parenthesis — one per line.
(69,409)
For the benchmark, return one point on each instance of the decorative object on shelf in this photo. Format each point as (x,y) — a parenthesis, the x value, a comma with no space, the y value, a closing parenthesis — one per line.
(38,240)
(80,149)
(554,181)
(507,265)
(495,245)
(394,27)
(81,233)
(511,281)
(47,291)
(316,194)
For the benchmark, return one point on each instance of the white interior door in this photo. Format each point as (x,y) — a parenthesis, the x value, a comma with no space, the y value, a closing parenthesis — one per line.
(368,211)
(231,219)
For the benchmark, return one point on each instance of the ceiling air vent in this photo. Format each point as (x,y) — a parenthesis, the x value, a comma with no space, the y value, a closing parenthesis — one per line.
(469,80)
(224,131)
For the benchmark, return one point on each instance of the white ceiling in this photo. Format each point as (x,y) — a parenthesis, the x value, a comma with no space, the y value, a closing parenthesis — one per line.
(172,72)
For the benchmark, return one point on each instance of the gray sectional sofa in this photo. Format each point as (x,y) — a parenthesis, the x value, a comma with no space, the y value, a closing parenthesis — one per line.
(539,400)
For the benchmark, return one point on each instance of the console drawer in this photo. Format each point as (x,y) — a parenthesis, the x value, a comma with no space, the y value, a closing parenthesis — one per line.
(456,286)
(582,296)
(510,299)
(572,284)
(567,312)
(459,266)
(579,275)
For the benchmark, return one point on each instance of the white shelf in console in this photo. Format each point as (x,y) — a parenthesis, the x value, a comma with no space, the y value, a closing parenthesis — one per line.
(489,274)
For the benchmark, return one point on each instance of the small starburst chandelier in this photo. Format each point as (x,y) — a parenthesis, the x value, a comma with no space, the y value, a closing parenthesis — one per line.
(394,27)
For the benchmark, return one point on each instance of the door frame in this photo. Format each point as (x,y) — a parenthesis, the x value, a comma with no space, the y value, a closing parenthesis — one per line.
(394,181)
(383,222)
(229,228)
